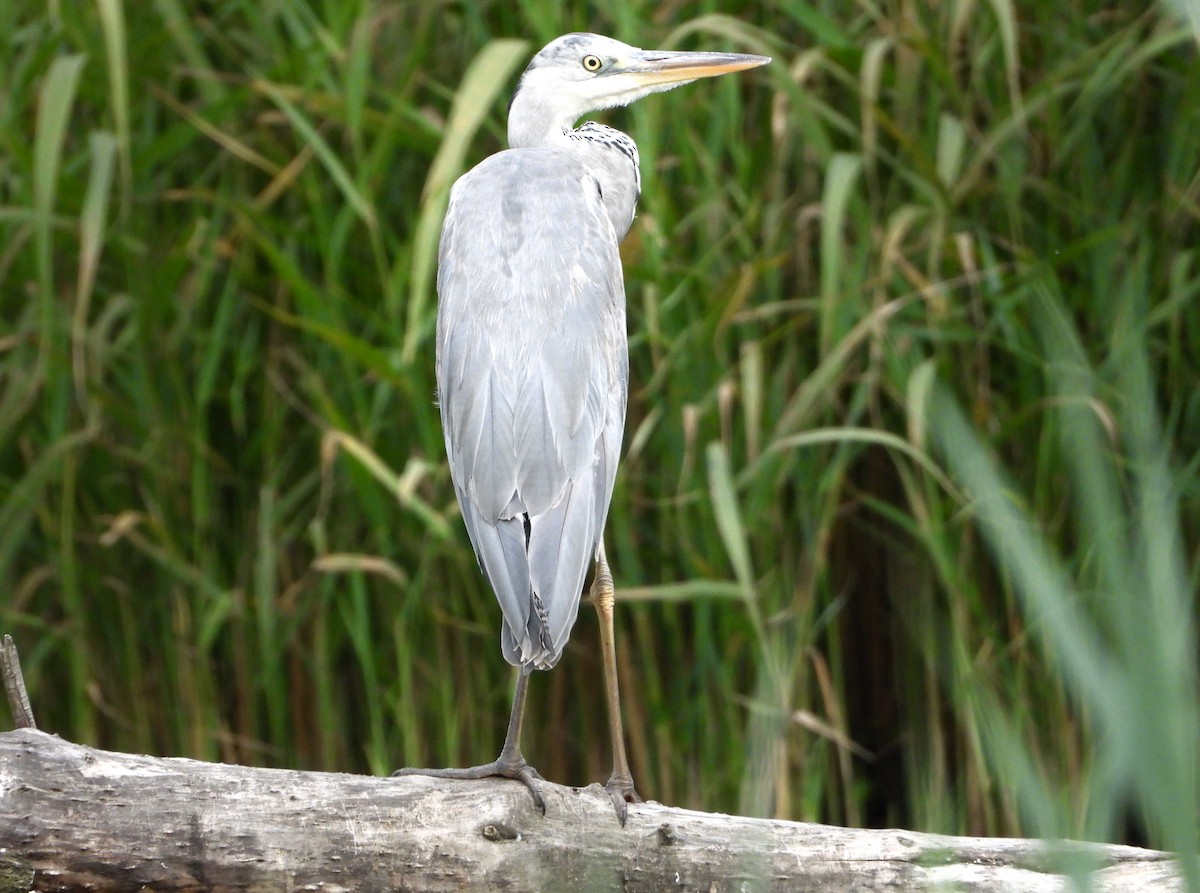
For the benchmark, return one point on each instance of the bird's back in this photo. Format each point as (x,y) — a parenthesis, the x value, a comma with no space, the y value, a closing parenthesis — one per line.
(532,371)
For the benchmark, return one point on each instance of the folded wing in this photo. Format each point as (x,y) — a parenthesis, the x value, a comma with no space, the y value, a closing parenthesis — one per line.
(532,370)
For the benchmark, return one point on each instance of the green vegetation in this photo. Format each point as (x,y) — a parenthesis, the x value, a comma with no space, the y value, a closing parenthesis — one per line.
(907,530)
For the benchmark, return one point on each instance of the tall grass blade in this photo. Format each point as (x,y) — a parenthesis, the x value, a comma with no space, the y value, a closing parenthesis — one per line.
(729,518)
(329,159)
(92,227)
(54,109)
(112,20)
(839,182)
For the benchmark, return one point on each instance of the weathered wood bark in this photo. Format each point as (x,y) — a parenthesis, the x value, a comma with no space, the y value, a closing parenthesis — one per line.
(72,817)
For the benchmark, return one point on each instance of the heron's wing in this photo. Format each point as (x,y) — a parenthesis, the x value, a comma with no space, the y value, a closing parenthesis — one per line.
(532,371)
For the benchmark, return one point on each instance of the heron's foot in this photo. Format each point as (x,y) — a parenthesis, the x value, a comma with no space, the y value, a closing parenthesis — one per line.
(502,767)
(620,789)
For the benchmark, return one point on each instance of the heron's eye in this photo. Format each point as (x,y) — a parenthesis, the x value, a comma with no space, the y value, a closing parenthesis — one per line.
(592,63)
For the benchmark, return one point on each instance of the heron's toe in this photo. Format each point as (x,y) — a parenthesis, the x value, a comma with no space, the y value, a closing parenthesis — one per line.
(530,778)
(622,792)
(505,766)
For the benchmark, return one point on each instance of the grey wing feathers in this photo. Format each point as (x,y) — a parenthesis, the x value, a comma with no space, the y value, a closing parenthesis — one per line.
(532,371)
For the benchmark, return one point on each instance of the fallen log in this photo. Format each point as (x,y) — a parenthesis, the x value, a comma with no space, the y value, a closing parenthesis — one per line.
(72,818)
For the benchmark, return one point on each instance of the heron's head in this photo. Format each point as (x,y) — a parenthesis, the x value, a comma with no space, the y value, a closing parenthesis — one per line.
(580,73)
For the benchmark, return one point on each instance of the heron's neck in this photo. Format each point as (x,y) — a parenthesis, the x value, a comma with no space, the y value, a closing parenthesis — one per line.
(539,119)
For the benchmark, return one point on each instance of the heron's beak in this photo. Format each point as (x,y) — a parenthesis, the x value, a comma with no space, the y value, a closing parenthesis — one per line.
(653,67)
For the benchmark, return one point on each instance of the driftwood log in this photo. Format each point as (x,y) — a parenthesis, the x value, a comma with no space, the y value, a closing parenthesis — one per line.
(76,818)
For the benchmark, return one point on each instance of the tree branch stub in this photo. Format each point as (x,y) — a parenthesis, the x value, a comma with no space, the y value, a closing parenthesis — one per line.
(13,682)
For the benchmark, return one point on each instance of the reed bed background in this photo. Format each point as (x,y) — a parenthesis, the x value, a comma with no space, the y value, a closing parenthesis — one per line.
(907,528)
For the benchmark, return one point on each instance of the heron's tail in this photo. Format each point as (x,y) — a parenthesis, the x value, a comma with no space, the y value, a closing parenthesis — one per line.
(537,565)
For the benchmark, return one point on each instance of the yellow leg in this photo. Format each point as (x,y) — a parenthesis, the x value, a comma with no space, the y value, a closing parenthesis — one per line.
(620,785)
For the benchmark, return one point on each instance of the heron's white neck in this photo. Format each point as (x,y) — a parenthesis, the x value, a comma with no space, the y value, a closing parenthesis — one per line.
(538,118)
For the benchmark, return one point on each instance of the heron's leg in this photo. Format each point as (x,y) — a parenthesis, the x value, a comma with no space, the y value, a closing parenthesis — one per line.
(620,785)
(510,763)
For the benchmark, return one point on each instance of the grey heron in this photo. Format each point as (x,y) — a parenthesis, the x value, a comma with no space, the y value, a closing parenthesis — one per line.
(532,360)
